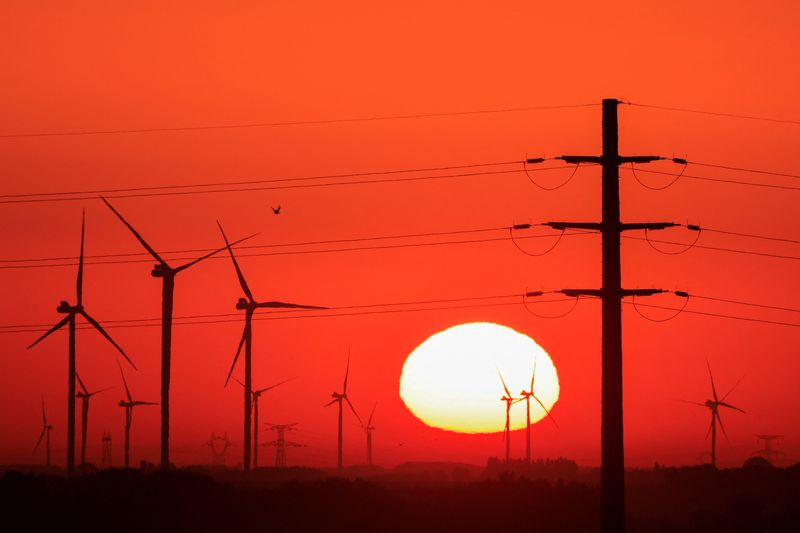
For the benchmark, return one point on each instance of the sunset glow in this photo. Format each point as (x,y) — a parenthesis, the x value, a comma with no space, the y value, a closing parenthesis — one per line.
(451,380)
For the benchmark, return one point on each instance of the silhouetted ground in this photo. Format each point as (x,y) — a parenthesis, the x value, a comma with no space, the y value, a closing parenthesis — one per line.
(417,497)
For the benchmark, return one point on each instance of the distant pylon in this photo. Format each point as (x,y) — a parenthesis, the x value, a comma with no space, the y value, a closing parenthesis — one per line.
(218,455)
(768,452)
(281,443)
(105,459)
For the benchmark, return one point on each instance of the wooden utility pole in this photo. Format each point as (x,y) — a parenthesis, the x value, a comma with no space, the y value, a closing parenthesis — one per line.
(612,459)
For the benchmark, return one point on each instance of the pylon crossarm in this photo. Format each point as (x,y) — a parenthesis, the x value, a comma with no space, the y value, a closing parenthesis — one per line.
(639,159)
(594,226)
(647,225)
(575,159)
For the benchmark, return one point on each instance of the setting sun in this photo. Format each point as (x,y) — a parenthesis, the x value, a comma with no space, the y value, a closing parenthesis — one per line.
(451,380)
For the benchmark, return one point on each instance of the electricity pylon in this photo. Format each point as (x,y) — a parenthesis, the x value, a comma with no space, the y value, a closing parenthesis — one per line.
(105,460)
(281,443)
(768,452)
(612,462)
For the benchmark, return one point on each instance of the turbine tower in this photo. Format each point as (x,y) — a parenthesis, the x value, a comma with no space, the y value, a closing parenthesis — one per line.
(256,396)
(339,398)
(85,396)
(129,405)
(281,443)
(72,311)
(167,273)
(768,452)
(509,401)
(713,406)
(368,429)
(45,434)
(249,305)
(527,395)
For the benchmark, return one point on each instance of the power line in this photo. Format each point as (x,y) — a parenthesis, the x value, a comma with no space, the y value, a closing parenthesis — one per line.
(303,252)
(716,113)
(278,187)
(722,180)
(291,122)
(743,169)
(718,315)
(265,180)
(715,248)
(291,316)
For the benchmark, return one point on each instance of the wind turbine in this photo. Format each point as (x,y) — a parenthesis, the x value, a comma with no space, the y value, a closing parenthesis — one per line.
(46,429)
(85,396)
(256,395)
(129,405)
(167,273)
(72,311)
(713,406)
(249,305)
(368,429)
(509,401)
(337,397)
(527,395)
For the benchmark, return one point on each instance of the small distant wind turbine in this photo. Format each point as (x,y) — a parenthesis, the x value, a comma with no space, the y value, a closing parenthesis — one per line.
(72,311)
(368,429)
(339,398)
(509,401)
(256,396)
(129,405)
(713,406)
(249,306)
(46,429)
(85,396)
(527,395)
(167,273)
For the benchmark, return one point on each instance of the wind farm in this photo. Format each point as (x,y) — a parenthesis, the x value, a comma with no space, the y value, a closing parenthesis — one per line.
(553,245)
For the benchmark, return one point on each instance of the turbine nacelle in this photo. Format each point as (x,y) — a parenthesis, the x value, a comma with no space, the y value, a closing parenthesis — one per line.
(161,270)
(242,304)
(65,308)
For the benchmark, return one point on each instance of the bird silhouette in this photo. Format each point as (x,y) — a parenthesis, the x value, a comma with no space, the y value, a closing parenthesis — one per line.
(276,210)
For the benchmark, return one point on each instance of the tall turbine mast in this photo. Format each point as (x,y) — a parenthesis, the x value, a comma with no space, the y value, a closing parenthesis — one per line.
(339,398)
(527,395)
(72,311)
(167,273)
(249,306)
(129,405)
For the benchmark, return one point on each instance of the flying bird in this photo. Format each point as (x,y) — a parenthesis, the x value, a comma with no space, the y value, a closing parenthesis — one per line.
(276,210)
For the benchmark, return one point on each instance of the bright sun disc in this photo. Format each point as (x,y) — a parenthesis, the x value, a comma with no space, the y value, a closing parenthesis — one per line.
(450,381)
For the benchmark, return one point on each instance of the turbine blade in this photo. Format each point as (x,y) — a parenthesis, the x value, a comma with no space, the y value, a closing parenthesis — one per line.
(99,328)
(508,394)
(136,234)
(239,382)
(369,422)
(61,324)
(236,357)
(346,373)
(44,414)
(239,274)
(38,442)
(284,305)
(124,382)
(144,403)
(80,382)
(79,282)
(731,406)
(713,388)
(533,376)
(331,402)
(354,411)
(709,428)
(732,389)
(550,416)
(722,427)
(99,391)
(689,401)
(215,252)
(265,389)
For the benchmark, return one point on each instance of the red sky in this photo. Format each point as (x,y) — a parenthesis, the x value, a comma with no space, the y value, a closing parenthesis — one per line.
(98,66)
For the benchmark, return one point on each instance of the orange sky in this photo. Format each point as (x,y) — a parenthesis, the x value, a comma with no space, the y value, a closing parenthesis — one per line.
(96,66)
